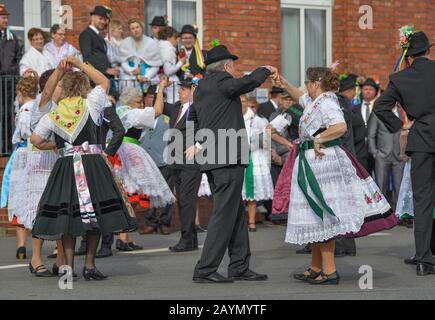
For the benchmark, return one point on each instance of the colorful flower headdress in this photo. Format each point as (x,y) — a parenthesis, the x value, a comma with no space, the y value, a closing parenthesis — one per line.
(406,33)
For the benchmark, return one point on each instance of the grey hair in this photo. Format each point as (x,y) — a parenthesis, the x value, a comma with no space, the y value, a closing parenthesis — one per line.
(129,94)
(218,65)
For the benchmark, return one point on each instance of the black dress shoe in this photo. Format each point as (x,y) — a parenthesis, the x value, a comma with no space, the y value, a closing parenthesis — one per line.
(305,250)
(212,278)
(411,261)
(134,246)
(424,269)
(123,246)
(93,274)
(249,275)
(81,251)
(304,277)
(182,248)
(200,228)
(38,273)
(333,278)
(104,252)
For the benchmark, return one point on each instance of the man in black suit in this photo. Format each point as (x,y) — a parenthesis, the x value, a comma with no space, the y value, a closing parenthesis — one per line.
(266,109)
(414,89)
(218,109)
(92,44)
(360,118)
(186,177)
(188,37)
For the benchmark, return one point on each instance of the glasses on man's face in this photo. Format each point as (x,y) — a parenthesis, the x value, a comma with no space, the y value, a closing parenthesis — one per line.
(61,34)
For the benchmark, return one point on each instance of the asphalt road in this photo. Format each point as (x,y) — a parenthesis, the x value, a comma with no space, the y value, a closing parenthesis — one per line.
(159,274)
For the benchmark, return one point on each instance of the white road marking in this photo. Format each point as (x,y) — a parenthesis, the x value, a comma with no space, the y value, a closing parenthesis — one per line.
(380,234)
(149,251)
(13,266)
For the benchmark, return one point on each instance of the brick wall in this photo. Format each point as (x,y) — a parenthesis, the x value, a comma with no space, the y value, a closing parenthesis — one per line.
(374,52)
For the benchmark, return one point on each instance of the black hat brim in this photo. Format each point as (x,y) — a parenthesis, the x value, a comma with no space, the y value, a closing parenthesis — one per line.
(220,58)
(414,51)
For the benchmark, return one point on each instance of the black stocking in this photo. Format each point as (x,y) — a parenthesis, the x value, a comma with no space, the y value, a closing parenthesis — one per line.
(92,240)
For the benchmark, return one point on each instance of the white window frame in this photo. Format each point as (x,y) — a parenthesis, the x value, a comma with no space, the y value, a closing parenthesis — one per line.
(302,5)
(199,15)
(32,17)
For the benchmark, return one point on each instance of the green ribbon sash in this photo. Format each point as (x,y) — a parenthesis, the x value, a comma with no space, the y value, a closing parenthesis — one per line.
(131,140)
(249,179)
(306,174)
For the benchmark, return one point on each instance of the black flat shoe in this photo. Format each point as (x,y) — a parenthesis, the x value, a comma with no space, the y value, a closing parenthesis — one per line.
(212,278)
(332,278)
(93,274)
(21,253)
(252,227)
(123,246)
(249,275)
(200,228)
(38,273)
(183,248)
(304,277)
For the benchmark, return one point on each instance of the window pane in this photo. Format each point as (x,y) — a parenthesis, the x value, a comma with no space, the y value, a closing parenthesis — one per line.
(184,12)
(315,38)
(16,9)
(45,14)
(153,8)
(290,45)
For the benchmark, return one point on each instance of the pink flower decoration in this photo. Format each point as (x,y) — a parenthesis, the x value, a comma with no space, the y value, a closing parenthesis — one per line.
(369,200)
(77,112)
(378,197)
(57,117)
(69,125)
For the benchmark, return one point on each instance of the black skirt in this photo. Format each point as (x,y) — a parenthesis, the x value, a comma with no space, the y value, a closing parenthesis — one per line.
(59,209)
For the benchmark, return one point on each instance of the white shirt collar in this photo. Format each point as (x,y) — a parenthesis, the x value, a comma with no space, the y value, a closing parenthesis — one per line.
(95,29)
(184,110)
(274,104)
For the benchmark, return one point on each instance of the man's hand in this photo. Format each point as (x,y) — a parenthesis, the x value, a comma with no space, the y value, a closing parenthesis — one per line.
(273,72)
(113,71)
(191,152)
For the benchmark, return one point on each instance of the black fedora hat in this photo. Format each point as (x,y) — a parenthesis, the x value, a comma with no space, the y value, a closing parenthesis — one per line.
(158,21)
(347,83)
(101,11)
(276,90)
(218,53)
(186,83)
(418,43)
(370,82)
(187,28)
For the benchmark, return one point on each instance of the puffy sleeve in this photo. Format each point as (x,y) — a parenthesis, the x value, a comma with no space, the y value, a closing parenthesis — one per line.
(39,111)
(305,100)
(44,128)
(22,126)
(139,118)
(281,122)
(331,113)
(97,101)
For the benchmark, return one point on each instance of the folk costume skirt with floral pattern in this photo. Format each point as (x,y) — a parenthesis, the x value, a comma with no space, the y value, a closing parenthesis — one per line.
(355,199)
(59,208)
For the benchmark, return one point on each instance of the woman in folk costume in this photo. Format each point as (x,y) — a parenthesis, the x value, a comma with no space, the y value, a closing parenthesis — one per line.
(15,179)
(140,58)
(81,196)
(135,168)
(325,191)
(258,183)
(58,48)
(171,63)
(33,59)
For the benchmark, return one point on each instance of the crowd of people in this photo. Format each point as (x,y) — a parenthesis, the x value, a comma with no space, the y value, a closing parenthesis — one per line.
(89,150)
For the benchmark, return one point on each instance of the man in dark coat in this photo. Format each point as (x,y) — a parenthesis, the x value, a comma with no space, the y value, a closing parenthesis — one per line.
(360,118)
(219,112)
(11,52)
(414,89)
(92,44)
(186,177)
(266,109)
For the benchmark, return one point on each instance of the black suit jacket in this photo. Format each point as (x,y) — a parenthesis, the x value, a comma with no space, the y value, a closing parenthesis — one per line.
(112,122)
(172,111)
(218,107)
(94,50)
(266,109)
(347,139)
(414,89)
(360,133)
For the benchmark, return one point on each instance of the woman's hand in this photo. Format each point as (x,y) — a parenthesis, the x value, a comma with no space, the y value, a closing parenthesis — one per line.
(317,149)
(164,82)
(183,59)
(74,61)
